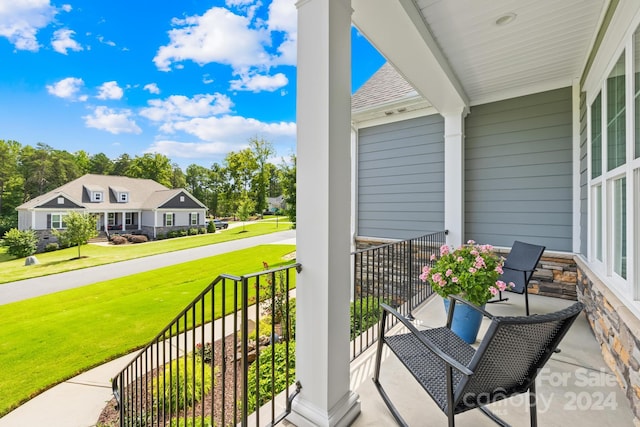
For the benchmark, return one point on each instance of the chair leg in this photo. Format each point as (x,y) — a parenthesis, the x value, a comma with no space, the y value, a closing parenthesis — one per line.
(533,406)
(500,299)
(526,299)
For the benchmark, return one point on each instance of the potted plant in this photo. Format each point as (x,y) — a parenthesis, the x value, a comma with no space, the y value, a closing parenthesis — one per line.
(471,272)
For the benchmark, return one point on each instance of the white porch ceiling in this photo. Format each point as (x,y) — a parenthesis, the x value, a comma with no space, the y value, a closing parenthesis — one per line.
(545,47)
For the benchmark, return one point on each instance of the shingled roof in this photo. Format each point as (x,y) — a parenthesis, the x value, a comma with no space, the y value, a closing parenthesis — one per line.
(386,86)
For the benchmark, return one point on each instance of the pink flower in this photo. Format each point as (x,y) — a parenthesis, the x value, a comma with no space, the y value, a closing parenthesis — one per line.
(436,277)
(449,272)
(474,252)
(501,285)
(472,270)
(444,250)
(471,242)
(426,269)
(499,269)
(432,257)
(459,259)
(493,290)
(454,279)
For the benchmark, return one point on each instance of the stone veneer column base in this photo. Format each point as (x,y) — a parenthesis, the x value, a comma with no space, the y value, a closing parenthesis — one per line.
(616,329)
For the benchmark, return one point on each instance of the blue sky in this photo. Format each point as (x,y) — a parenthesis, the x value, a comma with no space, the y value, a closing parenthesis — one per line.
(190,79)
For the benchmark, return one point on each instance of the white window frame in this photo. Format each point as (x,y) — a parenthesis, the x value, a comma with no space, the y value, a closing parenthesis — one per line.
(128,218)
(96,196)
(111,219)
(193,218)
(168,219)
(60,224)
(123,197)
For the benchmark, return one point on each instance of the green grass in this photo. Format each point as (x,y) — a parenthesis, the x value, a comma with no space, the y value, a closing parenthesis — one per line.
(12,269)
(49,339)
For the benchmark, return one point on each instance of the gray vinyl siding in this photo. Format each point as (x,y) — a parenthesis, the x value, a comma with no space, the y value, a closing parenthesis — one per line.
(584,220)
(401,178)
(175,203)
(518,171)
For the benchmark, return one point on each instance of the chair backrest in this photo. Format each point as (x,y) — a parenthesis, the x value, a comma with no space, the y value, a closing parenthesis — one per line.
(523,257)
(511,353)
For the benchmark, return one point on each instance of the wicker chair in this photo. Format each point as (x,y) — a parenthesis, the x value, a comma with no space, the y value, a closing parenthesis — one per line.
(458,377)
(519,267)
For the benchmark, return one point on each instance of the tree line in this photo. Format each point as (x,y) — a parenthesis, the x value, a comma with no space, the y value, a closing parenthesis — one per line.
(244,179)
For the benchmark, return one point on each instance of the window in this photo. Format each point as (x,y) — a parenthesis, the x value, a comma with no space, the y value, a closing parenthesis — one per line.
(616,122)
(111,218)
(193,218)
(168,220)
(97,196)
(597,222)
(124,197)
(596,137)
(57,221)
(128,218)
(636,54)
(619,225)
(61,200)
(181,198)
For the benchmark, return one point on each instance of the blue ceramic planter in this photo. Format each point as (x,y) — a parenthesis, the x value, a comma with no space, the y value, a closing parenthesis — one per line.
(466,321)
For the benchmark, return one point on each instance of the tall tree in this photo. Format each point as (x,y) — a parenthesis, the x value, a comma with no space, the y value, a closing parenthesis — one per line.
(288,179)
(82,161)
(9,176)
(240,167)
(100,164)
(37,169)
(178,180)
(153,166)
(121,165)
(262,150)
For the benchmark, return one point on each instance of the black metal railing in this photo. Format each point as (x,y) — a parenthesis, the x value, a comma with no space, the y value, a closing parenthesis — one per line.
(388,273)
(226,359)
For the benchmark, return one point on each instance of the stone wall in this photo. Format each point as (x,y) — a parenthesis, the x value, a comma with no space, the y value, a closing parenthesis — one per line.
(616,329)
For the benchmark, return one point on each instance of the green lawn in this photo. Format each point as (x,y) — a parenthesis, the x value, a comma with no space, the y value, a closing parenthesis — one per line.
(49,339)
(60,261)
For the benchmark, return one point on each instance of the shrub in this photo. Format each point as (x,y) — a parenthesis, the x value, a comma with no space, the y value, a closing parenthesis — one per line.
(211,227)
(193,231)
(188,384)
(183,233)
(188,422)
(139,238)
(51,247)
(364,314)
(205,352)
(20,243)
(202,230)
(280,383)
(172,234)
(118,240)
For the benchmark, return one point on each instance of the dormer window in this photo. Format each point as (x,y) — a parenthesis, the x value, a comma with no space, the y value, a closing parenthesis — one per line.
(96,196)
(181,198)
(123,197)
(61,200)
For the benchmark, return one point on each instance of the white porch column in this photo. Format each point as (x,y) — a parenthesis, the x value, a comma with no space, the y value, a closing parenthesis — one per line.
(323,215)
(454,177)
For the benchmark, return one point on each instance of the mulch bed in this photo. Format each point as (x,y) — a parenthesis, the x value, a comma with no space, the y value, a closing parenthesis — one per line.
(212,404)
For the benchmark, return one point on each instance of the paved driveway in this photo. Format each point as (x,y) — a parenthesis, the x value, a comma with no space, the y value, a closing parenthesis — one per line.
(30,288)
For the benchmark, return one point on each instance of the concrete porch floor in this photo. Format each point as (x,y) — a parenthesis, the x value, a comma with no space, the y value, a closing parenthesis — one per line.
(575,387)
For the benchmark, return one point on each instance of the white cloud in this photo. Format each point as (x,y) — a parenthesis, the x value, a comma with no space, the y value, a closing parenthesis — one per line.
(217,36)
(62,41)
(111,120)
(102,40)
(190,150)
(259,82)
(234,128)
(240,41)
(110,90)
(152,88)
(179,107)
(68,88)
(21,20)
(66,7)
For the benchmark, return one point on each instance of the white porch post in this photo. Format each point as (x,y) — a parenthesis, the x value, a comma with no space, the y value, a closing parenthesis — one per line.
(454,177)
(323,215)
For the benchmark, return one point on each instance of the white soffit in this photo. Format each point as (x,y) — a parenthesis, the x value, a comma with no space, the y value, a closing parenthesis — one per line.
(543,45)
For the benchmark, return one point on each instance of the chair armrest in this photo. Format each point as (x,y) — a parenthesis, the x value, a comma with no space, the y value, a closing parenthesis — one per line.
(424,341)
